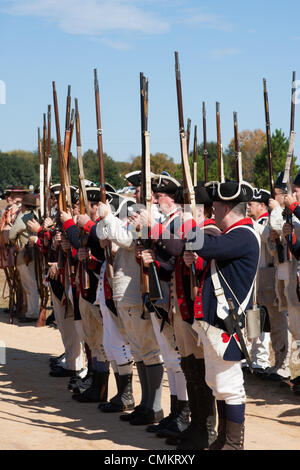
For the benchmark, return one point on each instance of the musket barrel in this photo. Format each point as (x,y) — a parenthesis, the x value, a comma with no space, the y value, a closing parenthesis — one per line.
(99,138)
(195,157)
(205,153)
(236,146)
(219,143)
(269,141)
(179,93)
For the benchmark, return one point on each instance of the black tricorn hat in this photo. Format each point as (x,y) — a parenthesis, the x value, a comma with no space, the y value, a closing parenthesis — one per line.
(261,195)
(165,184)
(93,194)
(134,178)
(118,203)
(279,182)
(201,194)
(296,181)
(231,191)
(56,188)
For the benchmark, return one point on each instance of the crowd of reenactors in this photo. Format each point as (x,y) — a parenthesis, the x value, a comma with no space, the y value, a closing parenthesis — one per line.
(239,250)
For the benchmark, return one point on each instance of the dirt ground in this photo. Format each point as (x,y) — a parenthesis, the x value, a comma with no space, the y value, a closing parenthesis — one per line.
(37,411)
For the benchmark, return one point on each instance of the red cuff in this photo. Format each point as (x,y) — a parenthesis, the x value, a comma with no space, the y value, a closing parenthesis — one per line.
(47,235)
(88,226)
(199,264)
(92,263)
(157,264)
(293,206)
(294,239)
(68,224)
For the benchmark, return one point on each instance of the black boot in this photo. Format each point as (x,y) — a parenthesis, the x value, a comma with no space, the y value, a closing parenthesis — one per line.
(97,392)
(116,374)
(140,409)
(153,412)
(136,412)
(80,385)
(200,433)
(165,421)
(124,399)
(179,423)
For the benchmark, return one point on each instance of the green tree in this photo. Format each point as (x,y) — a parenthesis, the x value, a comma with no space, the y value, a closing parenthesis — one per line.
(18,168)
(280,145)
(250,143)
(159,162)
(212,163)
(111,169)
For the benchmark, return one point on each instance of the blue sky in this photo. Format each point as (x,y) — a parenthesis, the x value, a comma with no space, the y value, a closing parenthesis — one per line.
(225,48)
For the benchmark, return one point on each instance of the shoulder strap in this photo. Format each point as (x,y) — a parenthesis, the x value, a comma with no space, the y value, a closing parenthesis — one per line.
(222,307)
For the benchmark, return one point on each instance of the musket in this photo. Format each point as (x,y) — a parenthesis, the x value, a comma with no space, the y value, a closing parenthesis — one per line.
(39,260)
(195,157)
(65,194)
(205,153)
(219,145)
(71,129)
(107,250)
(288,172)
(188,134)
(188,192)
(41,162)
(269,140)
(68,111)
(150,283)
(68,132)
(49,166)
(83,200)
(238,155)
(279,246)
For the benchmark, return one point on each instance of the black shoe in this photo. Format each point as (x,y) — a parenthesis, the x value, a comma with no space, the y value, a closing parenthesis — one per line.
(124,400)
(137,411)
(50,319)
(97,392)
(154,428)
(27,320)
(179,423)
(79,385)
(56,359)
(115,407)
(259,372)
(276,378)
(62,372)
(147,417)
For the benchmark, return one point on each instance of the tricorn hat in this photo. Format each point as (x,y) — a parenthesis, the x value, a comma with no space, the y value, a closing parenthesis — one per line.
(279,182)
(118,203)
(56,189)
(165,184)
(201,194)
(231,191)
(93,194)
(296,181)
(134,178)
(261,195)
